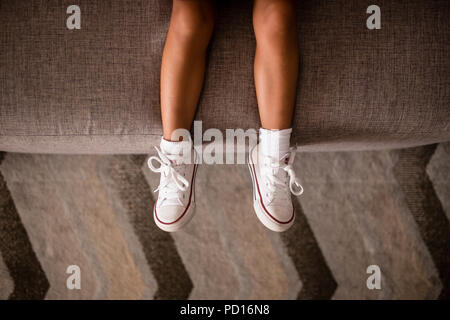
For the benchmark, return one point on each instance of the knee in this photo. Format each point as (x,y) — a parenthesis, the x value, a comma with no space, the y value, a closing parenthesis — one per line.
(192,19)
(274,20)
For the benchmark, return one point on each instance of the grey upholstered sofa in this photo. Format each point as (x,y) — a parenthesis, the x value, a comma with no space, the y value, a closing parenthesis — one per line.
(96,90)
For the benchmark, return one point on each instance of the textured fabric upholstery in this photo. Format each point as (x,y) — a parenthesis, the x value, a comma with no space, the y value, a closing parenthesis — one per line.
(96,90)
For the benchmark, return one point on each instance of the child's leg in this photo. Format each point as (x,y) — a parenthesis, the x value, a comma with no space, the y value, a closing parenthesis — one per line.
(183,62)
(276,71)
(182,70)
(276,61)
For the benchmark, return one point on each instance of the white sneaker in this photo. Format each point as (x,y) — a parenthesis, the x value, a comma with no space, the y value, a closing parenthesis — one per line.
(175,205)
(273,182)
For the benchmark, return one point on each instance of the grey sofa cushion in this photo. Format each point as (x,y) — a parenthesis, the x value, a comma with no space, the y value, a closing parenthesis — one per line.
(96,90)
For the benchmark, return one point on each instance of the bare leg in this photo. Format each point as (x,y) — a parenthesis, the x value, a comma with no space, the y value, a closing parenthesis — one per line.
(276,61)
(183,62)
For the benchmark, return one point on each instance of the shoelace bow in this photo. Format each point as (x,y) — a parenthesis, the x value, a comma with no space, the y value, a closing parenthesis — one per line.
(172,182)
(271,167)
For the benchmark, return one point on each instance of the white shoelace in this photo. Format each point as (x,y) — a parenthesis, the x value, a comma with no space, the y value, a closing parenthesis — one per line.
(272,168)
(172,182)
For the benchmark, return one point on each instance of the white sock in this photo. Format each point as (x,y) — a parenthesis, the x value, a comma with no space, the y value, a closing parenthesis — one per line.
(172,148)
(275,143)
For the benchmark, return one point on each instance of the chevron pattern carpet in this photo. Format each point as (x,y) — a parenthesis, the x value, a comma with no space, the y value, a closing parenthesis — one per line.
(389,208)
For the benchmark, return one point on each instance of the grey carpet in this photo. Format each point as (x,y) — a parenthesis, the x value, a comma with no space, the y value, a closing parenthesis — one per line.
(389,208)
